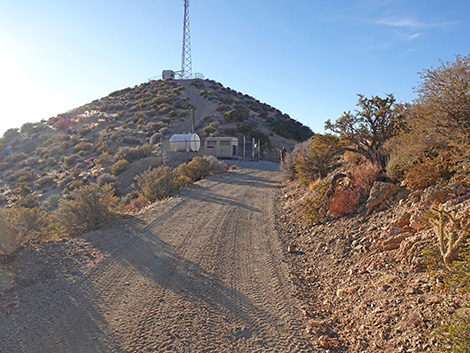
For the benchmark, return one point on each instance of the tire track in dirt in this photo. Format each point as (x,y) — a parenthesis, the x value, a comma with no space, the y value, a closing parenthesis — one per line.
(201,272)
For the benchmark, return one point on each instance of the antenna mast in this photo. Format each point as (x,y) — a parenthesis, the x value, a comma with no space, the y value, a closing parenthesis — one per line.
(186,62)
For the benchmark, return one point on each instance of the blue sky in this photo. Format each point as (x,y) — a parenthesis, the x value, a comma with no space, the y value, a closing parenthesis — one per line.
(307,58)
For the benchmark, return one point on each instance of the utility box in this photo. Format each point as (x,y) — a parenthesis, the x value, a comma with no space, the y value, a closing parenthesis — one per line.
(168,74)
(221,147)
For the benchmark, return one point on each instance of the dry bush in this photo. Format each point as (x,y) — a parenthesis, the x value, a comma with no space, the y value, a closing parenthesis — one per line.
(156,184)
(71,160)
(105,178)
(364,175)
(315,206)
(353,189)
(83,146)
(85,209)
(134,153)
(314,158)
(196,169)
(19,225)
(105,159)
(344,201)
(428,171)
(118,167)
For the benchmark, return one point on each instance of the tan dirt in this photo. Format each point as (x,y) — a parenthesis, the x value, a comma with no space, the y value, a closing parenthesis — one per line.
(200,272)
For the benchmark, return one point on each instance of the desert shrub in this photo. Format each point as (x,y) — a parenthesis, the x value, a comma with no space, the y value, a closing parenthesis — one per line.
(156,138)
(105,159)
(118,167)
(216,165)
(135,205)
(86,208)
(22,175)
(182,181)
(16,157)
(315,206)
(344,201)
(428,171)
(230,131)
(196,169)
(105,178)
(53,201)
(211,129)
(71,160)
(237,115)
(10,134)
(227,99)
(72,185)
(452,331)
(19,225)
(289,128)
(82,146)
(314,158)
(156,184)
(26,127)
(46,180)
(129,141)
(134,153)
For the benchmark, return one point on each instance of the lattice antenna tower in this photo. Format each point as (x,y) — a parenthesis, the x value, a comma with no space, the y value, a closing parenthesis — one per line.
(186,62)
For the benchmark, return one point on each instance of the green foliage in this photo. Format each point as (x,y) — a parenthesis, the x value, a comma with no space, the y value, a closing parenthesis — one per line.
(86,208)
(118,167)
(156,184)
(369,128)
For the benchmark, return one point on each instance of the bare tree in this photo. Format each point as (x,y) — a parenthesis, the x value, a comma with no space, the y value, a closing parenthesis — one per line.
(444,95)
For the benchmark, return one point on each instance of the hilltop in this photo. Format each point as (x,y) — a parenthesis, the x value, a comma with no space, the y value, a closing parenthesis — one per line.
(48,158)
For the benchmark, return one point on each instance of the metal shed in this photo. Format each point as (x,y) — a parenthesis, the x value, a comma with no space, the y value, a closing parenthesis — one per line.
(221,147)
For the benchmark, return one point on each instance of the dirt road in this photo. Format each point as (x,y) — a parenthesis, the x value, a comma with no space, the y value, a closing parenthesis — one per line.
(201,272)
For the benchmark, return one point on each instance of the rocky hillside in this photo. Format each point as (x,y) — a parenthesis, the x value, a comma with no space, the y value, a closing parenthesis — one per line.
(114,138)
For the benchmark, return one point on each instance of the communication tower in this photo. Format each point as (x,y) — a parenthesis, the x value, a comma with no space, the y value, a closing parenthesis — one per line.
(186,62)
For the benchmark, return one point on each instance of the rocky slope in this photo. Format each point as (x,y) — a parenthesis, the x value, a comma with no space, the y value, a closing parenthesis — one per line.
(361,278)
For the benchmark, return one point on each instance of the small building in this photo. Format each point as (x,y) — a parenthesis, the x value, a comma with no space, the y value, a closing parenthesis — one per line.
(168,74)
(221,147)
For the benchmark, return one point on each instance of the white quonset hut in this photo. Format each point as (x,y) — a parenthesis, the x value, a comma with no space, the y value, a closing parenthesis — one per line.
(221,147)
(185,143)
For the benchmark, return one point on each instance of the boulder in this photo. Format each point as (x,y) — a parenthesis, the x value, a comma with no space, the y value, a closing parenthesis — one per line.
(379,193)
